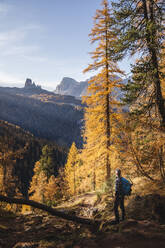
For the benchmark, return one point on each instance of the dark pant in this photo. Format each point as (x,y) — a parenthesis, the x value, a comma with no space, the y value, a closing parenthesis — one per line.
(119,200)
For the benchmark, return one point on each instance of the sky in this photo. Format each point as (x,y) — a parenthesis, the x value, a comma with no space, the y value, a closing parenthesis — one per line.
(46,40)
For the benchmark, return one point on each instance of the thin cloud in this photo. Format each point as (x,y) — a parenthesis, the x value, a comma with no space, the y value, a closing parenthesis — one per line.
(10,37)
(17,35)
(12,43)
(8,79)
(20,50)
(5,8)
(37,59)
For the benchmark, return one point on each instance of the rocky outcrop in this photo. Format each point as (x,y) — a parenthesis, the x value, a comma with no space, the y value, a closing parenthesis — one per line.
(31,85)
(69,86)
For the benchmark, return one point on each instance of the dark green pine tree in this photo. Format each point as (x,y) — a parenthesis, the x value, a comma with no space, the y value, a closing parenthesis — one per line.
(49,162)
(140,27)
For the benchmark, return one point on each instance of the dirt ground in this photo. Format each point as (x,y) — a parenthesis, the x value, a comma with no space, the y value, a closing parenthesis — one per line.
(143,228)
(45,231)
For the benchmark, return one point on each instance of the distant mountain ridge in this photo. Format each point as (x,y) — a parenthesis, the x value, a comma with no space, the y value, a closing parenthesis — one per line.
(48,115)
(30,89)
(45,114)
(69,86)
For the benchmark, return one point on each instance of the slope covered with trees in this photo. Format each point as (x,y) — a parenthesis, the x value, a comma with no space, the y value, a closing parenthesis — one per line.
(19,151)
(45,116)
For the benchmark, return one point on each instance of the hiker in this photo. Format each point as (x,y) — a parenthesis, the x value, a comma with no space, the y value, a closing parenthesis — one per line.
(119,197)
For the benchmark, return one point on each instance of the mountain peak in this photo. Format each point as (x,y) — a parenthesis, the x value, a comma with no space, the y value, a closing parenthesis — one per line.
(69,86)
(31,85)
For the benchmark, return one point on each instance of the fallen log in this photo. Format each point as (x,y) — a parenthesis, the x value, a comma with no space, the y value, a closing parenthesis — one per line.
(50,210)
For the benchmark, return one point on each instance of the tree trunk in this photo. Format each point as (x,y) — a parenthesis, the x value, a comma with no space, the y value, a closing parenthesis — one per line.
(74,179)
(107,111)
(50,210)
(161,164)
(94,177)
(108,138)
(151,43)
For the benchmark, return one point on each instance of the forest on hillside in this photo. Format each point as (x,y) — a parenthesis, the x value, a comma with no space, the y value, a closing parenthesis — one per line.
(52,117)
(19,151)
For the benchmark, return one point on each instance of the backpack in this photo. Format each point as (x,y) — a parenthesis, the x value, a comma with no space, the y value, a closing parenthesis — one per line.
(126,186)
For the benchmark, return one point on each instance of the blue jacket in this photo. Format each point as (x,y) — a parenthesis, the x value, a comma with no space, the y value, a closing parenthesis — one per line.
(118,186)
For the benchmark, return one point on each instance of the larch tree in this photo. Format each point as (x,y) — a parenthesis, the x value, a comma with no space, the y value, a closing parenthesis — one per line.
(101,100)
(56,188)
(38,184)
(51,190)
(70,170)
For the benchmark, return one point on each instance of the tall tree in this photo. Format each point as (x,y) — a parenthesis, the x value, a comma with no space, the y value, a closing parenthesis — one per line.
(101,93)
(140,26)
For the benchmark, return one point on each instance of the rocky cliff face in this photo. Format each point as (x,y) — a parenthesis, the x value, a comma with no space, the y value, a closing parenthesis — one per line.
(69,86)
(31,85)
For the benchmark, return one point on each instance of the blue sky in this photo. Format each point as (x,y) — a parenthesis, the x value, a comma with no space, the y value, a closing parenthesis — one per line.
(45,40)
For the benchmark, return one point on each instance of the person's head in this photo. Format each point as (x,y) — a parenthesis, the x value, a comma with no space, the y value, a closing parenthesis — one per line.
(118,172)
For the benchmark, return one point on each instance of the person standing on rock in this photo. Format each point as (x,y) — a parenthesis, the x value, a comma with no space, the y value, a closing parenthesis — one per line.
(119,197)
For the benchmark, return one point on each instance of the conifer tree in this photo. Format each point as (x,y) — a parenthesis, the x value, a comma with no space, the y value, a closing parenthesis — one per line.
(101,95)
(38,183)
(70,169)
(140,26)
(52,191)
(48,162)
